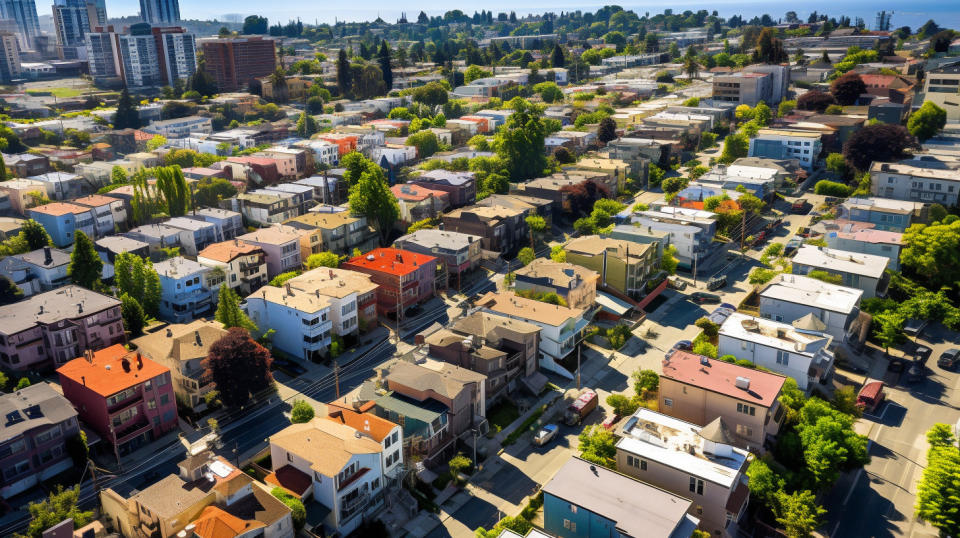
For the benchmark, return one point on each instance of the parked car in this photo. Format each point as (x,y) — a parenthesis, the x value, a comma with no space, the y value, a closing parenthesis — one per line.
(721,313)
(915,373)
(921,354)
(701,297)
(896,365)
(717,282)
(914,327)
(581,407)
(611,421)
(546,434)
(675,282)
(792,246)
(682,345)
(949,359)
(871,395)
(803,231)
(799,206)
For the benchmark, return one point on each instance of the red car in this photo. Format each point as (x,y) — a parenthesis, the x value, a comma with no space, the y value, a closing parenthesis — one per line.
(871,395)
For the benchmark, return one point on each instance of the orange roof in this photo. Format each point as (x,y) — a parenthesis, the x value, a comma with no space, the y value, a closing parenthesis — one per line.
(95,200)
(263,161)
(291,479)
(390,260)
(721,377)
(415,193)
(228,250)
(105,373)
(58,209)
(378,428)
(216,523)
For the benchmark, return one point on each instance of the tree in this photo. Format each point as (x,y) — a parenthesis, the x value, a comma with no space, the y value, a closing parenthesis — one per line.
(597,445)
(930,252)
(85,267)
(174,189)
(710,329)
(255,25)
(831,188)
(556,56)
(607,130)
(323,259)
(431,94)
(520,142)
(815,100)
(9,292)
(537,225)
(764,483)
(557,254)
(35,235)
(940,41)
(526,255)
(799,513)
(938,491)
(735,146)
(343,73)
(78,450)
(878,142)
(675,184)
(383,59)
(137,278)
(927,122)
(426,143)
(306,125)
(372,197)
(238,366)
(134,318)
(622,405)
(210,190)
(157,142)
(127,115)
(60,505)
(549,92)
(847,88)
(301,412)
(564,155)
(474,72)
(297,511)
(645,382)
(829,443)
(23,383)
(228,310)
(838,165)
(785,108)
(668,260)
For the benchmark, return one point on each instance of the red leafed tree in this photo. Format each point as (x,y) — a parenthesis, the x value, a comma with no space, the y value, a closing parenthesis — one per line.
(880,142)
(583,195)
(238,366)
(848,88)
(815,100)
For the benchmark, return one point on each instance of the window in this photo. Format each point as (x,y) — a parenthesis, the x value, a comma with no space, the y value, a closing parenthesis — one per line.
(164,399)
(152,404)
(668,402)
(783,357)
(570,525)
(744,431)
(746,409)
(696,486)
(573,509)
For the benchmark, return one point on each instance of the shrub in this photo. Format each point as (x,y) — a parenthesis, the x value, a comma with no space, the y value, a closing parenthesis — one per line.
(831,188)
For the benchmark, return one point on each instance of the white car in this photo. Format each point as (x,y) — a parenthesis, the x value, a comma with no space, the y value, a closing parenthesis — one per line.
(545,434)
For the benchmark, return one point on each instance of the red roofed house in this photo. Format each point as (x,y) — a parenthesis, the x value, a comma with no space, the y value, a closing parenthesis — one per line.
(418,202)
(255,170)
(898,88)
(698,389)
(345,142)
(396,270)
(125,397)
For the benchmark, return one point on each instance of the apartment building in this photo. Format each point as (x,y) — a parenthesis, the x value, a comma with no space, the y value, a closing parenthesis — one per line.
(39,421)
(788,298)
(340,232)
(184,294)
(180,127)
(303,195)
(861,271)
(461,186)
(158,236)
(942,88)
(501,229)
(194,235)
(779,347)
(62,219)
(404,278)
(622,266)
(805,146)
(767,83)
(418,203)
(20,192)
(915,184)
(576,284)
(458,253)
(883,213)
(868,241)
(267,207)
(229,224)
(235,62)
(243,265)
(698,389)
(56,326)
(281,247)
(108,213)
(182,348)
(125,397)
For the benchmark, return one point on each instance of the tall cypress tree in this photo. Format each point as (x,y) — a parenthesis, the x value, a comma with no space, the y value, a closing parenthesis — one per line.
(85,265)
(343,72)
(127,116)
(228,310)
(556,57)
(384,59)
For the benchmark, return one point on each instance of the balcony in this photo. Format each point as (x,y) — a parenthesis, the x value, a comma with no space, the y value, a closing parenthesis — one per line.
(350,508)
(132,431)
(123,405)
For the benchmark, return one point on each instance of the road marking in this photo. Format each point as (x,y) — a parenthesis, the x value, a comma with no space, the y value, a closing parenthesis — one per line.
(853,486)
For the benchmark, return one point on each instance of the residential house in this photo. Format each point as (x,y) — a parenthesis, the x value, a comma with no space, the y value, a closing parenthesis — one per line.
(33,443)
(418,203)
(340,232)
(561,327)
(229,224)
(184,295)
(621,266)
(768,83)
(108,247)
(700,390)
(158,236)
(461,186)
(62,219)
(701,463)
(788,298)
(27,164)
(388,434)
(329,187)
(183,348)
(404,278)
(243,265)
(805,146)
(457,253)
(501,229)
(303,195)
(530,205)
(281,246)
(22,193)
(509,335)
(61,185)
(691,231)
(34,272)
(254,170)
(779,347)
(267,207)
(195,235)
(884,213)
(109,213)
(761,182)
(324,153)
(126,398)
(573,282)
(867,241)
(293,163)
(10,226)
(53,327)
(559,188)
(180,127)
(916,184)
(862,271)
(584,499)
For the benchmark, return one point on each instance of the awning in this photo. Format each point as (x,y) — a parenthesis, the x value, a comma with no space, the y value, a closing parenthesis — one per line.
(612,304)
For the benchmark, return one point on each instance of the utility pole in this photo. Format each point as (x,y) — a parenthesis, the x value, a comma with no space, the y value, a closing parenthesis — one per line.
(743,227)
(695,256)
(579,345)
(336,377)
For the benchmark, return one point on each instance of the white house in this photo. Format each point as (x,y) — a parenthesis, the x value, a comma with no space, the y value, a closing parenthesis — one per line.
(37,271)
(862,271)
(906,182)
(788,298)
(805,146)
(180,127)
(779,347)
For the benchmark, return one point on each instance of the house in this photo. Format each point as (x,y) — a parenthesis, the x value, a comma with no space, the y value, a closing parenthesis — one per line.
(884,213)
(10,226)
(404,278)
(61,185)
(419,203)
(126,398)
(560,188)
(700,463)
(761,182)
(334,465)
(229,224)
(329,302)
(561,327)
(182,348)
(940,87)
(529,205)
(868,241)
(458,253)
(788,298)
(184,295)
(757,83)
(779,347)
(33,443)
(109,213)
(461,186)
(509,335)
(862,271)
(243,265)
(253,170)
(293,163)
(194,234)
(916,184)
(158,236)
(41,270)
(805,146)
(208,497)
(180,127)
(53,327)
(281,247)
(329,187)
(621,266)
(501,229)
(264,207)
(583,499)
(108,247)
(699,390)
(303,195)
(691,234)
(62,219)
(22,193)
(574,283)
(27,164)
(340,232)
(388,434)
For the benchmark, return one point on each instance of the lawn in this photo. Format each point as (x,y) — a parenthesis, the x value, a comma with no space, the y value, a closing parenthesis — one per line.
(502,415)
(60,93)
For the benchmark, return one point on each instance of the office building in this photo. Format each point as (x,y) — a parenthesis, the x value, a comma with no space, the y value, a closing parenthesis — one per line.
(160,11)
(24,13)
(234,62)
(9,57)
(71,19)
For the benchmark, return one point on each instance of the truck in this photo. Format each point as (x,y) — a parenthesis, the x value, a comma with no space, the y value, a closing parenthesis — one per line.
(871,395)
(581,407)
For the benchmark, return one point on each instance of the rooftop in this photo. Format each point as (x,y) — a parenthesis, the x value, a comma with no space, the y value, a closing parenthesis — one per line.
(391,260)
(492,326)
(121,243)
(58,209)
(421,378)
(811,292)
(416,193)
(368,423)
(915,171)
(324,220)
(326,444)
(884,204)
(558,274)
(873,236)
(433,238)
(39,257)
(228,250)
(68,302)
(111,370)
(841,261)
(181,342)
(95,200)
(788,132)
(35,406)
(277,234)
(178,267)
(721,377)
(494,213)
(773,334)
(595,245)
(529,309)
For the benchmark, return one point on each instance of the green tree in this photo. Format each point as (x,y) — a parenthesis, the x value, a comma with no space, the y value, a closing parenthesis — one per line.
(85,267)
(343,72)
(930,252)
(764,483)
(785,108)
(475,72)
(137,278)
(941,435)
(557,254)
(762,114)
(157,142)
(383,60)
(297,511)
(607,130)
(927,122)
(938,491)
(306,125)
(520,142)
(134,318)
(838,165)
(735,146)
(431,94)
(228,310)
(645,382)
(211,190)
(424,224)
(799,513)
(60,505)
(372,197)
(709,328)
(9,292)
(556,56)
(23,383)
(831,188)
(549,92)
(354,165)
(622,405)
(668,260)
(526,255)
(517,524)
(127,115)
(705,348)
(323,259)
(426,143)
(598,446)
(675,184)
(824,276)
(301,412)
(829,443)
(479,143)
(537,225)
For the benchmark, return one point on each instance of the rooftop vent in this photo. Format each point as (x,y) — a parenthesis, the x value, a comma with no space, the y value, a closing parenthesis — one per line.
(743,383)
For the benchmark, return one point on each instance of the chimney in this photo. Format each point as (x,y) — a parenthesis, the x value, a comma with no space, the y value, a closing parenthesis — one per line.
(197,339)
(126,364)
(83,379)
(139,362)
(47,256)
(169,332)
(79,308)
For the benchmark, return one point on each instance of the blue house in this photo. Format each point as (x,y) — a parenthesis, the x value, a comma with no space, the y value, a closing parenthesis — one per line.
(183,293)
(886,214)
(589,500)
(61,219)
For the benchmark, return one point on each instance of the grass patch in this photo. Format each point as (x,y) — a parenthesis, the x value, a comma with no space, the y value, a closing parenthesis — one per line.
(60,93)
(525,427)
(502,415)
